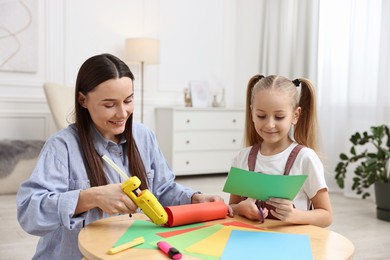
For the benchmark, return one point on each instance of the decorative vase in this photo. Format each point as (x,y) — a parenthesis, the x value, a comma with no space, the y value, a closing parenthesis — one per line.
(187,98)
(215,102)
(382,198)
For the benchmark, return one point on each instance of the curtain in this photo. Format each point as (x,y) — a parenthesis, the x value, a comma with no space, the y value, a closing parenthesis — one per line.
(289,32)
(353,75)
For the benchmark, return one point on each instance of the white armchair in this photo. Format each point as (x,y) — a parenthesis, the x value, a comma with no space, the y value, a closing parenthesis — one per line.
(60,99)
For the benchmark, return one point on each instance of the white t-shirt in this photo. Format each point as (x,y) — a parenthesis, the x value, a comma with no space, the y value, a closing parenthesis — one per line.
(307,162)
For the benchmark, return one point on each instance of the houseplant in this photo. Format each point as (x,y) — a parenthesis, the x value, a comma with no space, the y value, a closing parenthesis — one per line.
(369,155)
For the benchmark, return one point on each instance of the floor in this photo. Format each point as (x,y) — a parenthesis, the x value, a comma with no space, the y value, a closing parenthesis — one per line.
(353,218)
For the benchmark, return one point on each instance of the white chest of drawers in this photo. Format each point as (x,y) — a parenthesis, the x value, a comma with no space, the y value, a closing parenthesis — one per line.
(199,140)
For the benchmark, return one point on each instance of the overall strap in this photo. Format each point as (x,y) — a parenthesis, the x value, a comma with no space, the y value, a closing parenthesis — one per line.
(291,158)
(252,156)
(290,161)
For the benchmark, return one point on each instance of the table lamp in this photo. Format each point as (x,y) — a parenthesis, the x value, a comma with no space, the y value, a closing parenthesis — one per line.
(144,51)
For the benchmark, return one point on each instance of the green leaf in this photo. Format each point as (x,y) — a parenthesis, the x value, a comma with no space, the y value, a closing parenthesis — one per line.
(340,182)
(343,157)
(355,138)
(340,168)
(355,185)
(378,131)
(381,154)
(371,179)
(356,179)
(388,136)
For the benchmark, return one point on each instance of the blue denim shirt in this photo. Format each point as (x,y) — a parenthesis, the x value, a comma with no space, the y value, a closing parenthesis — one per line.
(46,202)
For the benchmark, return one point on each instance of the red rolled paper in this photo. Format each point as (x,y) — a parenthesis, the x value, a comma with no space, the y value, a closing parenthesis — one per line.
(193,213)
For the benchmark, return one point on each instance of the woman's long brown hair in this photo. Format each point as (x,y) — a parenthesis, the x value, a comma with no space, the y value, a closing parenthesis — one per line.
(93,72)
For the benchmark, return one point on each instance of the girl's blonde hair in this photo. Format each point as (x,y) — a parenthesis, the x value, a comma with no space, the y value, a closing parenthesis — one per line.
(302,95)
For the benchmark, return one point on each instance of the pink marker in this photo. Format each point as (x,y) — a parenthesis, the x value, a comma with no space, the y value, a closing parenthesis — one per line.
(172,252)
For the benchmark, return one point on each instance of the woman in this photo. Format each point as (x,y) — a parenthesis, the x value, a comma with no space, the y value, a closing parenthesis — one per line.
(71,186)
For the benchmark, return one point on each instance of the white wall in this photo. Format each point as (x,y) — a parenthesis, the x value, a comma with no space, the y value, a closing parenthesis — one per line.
(247,48)
(200,40)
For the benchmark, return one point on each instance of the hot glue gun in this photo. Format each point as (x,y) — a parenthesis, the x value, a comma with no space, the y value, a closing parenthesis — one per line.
(144,199)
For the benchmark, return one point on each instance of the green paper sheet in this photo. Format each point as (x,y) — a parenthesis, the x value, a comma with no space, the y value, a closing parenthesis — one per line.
(263,186)
(148,230)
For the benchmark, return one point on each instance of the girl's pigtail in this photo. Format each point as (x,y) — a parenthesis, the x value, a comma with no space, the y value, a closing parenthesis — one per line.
(251,137)
(306,128)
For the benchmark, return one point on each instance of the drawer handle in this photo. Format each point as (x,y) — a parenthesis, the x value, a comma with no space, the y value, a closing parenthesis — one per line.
(187,162)
(234,120)
(188,121)
(234,140)
(188,141)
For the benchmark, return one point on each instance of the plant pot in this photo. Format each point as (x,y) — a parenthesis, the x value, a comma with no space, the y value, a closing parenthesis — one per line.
(382,197)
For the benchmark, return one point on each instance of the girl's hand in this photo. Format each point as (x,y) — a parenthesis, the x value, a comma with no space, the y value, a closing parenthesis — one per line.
(111,199)
(284,209)
(247,208)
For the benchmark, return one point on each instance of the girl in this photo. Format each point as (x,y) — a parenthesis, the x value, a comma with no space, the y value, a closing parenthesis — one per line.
(275,107)
(71,186)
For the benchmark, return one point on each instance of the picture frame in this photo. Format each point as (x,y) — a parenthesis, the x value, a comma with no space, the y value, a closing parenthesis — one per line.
(19,41)
(199,93)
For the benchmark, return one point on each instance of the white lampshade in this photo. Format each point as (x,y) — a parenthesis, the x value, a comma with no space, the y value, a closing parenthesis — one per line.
(143,50)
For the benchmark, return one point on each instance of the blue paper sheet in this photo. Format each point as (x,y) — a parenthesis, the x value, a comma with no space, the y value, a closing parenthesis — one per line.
(267,245)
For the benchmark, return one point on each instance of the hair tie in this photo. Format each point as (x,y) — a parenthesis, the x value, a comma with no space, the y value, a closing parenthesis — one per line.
(296,82)
(259,77)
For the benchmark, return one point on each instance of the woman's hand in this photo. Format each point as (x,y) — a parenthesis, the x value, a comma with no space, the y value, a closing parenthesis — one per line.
(114,201)
(109,198)
(201,198)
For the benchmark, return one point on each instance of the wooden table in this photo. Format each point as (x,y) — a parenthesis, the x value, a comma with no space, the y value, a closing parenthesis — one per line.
(96,238)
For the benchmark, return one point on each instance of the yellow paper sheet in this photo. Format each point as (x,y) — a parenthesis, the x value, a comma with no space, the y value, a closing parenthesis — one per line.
(215,243)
